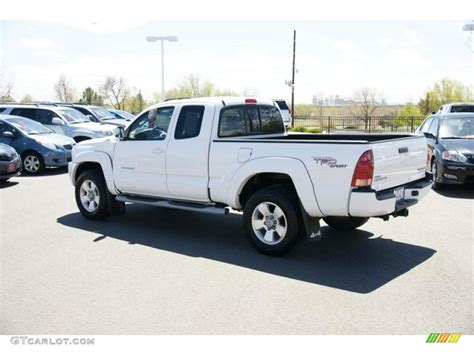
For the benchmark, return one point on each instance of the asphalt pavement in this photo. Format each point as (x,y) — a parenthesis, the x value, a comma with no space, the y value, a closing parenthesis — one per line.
(161,271)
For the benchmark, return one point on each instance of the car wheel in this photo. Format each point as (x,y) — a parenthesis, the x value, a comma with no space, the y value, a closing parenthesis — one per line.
(33,163)
(434,170)
(91,195)
(271,220)
(345,223)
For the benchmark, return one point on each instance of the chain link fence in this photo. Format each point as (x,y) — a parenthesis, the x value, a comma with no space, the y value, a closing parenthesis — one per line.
(371,124)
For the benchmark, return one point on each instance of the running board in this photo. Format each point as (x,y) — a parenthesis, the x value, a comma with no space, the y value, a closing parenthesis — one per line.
(188,206)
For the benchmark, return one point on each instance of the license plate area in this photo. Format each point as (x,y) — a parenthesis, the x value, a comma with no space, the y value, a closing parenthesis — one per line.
(11,168)
(399,193)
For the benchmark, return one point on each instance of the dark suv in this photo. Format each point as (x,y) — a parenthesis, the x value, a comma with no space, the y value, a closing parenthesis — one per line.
(450,139)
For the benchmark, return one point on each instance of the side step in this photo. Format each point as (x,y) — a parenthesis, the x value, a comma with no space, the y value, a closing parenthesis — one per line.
(188,206)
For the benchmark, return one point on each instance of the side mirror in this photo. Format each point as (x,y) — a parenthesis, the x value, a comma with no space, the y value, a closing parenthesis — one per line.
(119,132)
(57,121)
(429,135)
(92,118)
(8,134)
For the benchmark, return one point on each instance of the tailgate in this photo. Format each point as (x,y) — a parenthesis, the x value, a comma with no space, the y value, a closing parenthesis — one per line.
(398,161)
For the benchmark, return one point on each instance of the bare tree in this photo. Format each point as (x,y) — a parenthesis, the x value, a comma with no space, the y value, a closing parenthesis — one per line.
(318,101)
(115,90)
(6,87)
(366,102)
(64,90)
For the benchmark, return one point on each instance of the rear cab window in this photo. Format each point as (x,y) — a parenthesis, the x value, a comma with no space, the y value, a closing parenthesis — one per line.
(282,104)
(245,120)
(189,122)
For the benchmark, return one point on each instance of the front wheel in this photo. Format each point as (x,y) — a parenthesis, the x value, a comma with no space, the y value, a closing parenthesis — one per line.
(91,195)
(434,170)
(345,223)
(271,220)
(33,163)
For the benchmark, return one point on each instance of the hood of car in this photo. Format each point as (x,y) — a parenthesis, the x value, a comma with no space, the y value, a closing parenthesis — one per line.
(115,122)
(95,126)
(460,145)
(54,138)
(6,149)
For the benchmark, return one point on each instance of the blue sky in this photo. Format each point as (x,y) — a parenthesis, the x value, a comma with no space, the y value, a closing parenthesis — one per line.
(400,58)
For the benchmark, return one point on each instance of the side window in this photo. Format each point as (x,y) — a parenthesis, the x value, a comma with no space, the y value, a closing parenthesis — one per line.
(425,125)
(45,116)
(189,122)
(2,109)
(151,125)
(4,127)
(271,120)
(232,122)
(434,127)
(24,112)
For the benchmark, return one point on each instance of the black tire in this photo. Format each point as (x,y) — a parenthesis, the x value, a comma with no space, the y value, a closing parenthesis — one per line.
(100,190)
(288,203)
(33,163)
(434,170)
(345,223)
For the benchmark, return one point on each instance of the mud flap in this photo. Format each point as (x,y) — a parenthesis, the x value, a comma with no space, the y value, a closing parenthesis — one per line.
(114,207)
(312,228)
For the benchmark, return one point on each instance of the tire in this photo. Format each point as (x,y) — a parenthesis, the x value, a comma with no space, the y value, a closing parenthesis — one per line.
(283,233)
(33,163)
(91,195)
(434,170)
(345,223)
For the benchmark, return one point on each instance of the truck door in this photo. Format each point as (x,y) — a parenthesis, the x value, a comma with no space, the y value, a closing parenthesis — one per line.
(140,158)
(187,160)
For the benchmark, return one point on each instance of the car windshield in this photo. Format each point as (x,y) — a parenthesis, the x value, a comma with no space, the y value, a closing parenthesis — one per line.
(73,116)
(28,126)
(124,114)
(101,113)
(457,128)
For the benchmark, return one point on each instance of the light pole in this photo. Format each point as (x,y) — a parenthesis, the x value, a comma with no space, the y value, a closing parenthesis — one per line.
(162,39)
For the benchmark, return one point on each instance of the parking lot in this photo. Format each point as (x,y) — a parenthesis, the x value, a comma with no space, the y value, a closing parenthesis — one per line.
(160,271)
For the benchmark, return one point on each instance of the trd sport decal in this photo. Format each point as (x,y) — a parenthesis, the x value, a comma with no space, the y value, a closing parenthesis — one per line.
(329,161)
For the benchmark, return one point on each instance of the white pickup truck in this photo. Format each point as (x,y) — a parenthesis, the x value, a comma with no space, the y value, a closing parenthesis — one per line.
(212,154)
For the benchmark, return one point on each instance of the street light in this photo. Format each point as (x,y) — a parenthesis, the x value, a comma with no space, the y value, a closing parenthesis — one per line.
(162,39)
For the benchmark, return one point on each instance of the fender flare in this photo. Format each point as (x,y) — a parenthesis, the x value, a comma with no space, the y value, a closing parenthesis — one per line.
(105,163)
(292,167)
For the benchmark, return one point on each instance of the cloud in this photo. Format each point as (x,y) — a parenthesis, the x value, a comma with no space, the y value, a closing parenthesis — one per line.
(37,43)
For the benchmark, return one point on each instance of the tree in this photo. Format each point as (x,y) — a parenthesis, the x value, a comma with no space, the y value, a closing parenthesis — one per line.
(444,91)
(366,102)
(64,90)
(135,103)
(27,98)
(6,87)
(90,97)
(409,115)
(193,86)
(115,91)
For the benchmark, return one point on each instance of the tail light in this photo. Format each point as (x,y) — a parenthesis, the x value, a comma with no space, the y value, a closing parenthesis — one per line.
(364,170)
(250,101)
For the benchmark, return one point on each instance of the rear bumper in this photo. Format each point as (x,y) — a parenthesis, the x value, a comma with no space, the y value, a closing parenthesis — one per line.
(6,170)
(455,173)
(371,203)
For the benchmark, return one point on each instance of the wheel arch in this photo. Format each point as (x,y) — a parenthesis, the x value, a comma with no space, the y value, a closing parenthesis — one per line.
(95,160)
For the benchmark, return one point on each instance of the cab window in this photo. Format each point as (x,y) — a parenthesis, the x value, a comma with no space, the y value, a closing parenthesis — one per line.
(151,125)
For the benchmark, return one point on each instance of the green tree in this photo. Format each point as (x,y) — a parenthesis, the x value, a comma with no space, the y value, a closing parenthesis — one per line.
(444,91)
(410,114)
(135,103)
(193,86)
(90,97)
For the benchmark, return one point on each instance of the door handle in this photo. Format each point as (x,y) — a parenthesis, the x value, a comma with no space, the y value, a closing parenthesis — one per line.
(158,151)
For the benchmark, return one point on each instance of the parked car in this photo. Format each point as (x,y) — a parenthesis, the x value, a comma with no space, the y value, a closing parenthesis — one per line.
(10,162)
(285,112)
(96,114)
(456,107)
(38,146)
(209,154)
(450,139)
(62,120)
(120,114)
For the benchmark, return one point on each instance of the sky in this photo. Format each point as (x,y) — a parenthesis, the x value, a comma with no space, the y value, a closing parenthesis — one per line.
(402,59)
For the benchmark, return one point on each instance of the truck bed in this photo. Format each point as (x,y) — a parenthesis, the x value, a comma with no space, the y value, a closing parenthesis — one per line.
(340,138)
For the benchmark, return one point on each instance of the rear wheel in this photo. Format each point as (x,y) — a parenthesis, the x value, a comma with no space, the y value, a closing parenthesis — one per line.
(345,223)
(271,220)
(33,163)
(91,195)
